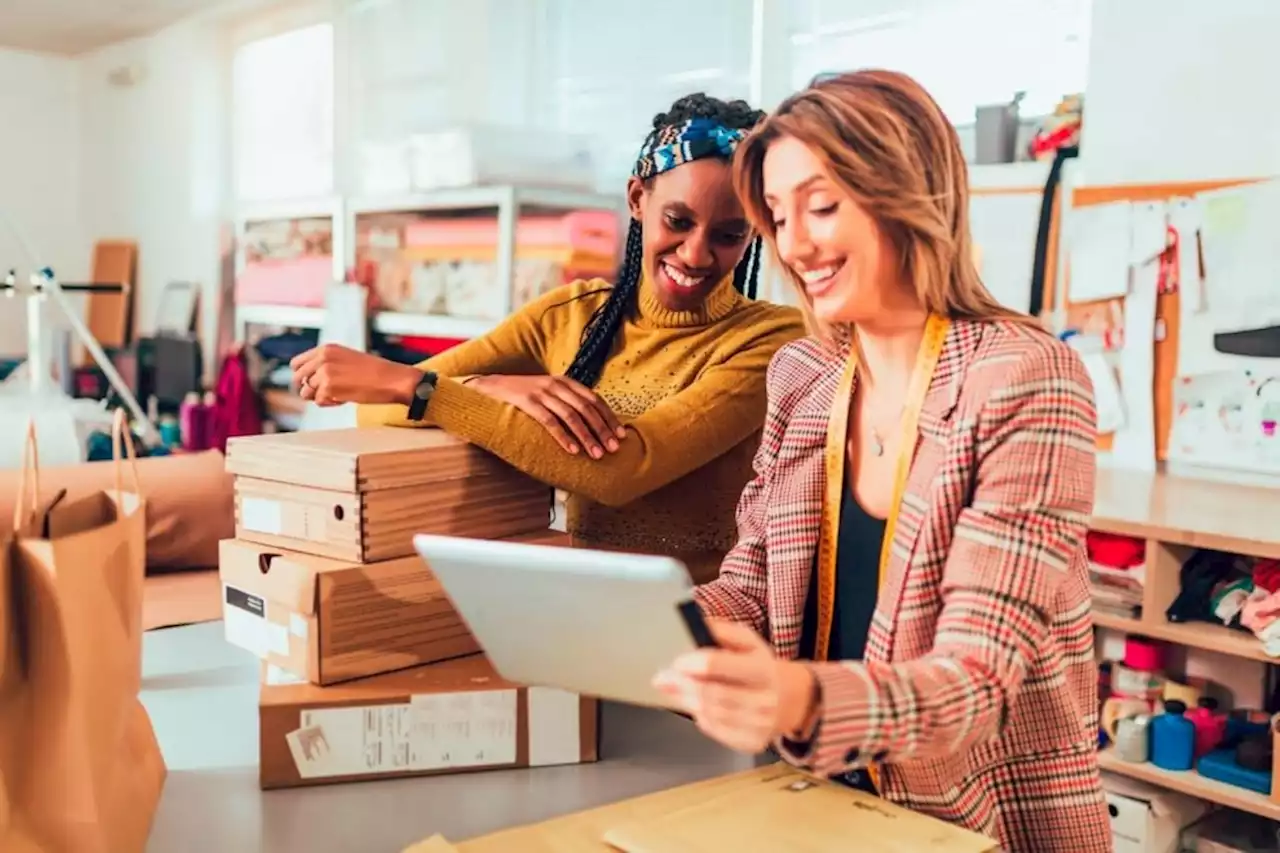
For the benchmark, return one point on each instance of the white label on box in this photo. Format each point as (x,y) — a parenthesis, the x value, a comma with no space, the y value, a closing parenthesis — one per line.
(278,639)
(433,732)
(298,625)
(352,741)
(555,730)
(280,675)
(476,728)
(244,619)
(262,515)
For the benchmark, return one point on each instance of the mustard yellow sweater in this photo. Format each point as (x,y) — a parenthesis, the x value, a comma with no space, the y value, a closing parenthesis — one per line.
(690,386)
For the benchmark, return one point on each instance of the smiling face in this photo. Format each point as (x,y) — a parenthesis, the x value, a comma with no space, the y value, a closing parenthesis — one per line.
(845,262)
(695,231)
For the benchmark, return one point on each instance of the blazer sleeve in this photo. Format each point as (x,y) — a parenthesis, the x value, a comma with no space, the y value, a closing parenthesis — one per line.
(1012,548)
(682,433)
(739,593)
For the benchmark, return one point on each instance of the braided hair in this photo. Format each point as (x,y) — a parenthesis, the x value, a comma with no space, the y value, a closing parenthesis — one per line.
(598,337)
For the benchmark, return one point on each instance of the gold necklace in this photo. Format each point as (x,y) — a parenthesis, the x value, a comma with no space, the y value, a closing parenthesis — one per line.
(877,438)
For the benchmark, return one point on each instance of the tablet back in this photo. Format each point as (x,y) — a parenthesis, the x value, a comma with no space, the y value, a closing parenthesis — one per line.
(598,623)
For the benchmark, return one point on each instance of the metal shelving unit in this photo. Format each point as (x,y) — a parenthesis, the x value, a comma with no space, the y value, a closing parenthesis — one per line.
(508,201)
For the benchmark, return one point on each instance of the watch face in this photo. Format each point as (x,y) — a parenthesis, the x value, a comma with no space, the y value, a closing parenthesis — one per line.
(423,391)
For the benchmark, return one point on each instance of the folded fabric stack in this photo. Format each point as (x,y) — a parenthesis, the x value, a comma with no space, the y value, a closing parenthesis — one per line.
(1231,590)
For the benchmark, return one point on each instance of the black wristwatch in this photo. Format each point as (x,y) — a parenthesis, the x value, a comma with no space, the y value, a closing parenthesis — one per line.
(422,396)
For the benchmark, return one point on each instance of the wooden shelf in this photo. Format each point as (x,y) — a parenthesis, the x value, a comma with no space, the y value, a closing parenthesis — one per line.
(1189,512)
(1196,635)
(1194,784)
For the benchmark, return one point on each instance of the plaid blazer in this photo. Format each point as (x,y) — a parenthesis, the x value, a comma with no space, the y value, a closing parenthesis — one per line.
(978,692)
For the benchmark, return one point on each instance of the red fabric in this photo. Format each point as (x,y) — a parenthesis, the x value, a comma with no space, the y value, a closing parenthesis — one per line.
(235,409)
(1115,552)
(1266,575)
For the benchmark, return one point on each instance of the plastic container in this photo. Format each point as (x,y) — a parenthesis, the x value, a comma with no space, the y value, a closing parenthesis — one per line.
(1210,725)
(1133,739)
(1173,738)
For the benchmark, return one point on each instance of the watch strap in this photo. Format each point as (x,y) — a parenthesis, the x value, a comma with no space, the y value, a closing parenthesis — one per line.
(422,396)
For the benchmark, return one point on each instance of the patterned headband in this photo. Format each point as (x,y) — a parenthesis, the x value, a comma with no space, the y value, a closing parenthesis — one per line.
(691,140)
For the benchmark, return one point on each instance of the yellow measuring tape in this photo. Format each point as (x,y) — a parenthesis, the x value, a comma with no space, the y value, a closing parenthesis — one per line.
(935,336)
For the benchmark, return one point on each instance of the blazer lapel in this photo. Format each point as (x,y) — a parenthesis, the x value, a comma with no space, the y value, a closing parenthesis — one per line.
(795,512)
(927,457)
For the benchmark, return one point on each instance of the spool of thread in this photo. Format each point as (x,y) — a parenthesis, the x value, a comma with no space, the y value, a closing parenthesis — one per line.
(1118,708)
(1143,654)
(1133,739)
(170,431)
(186,414)
(1136,683)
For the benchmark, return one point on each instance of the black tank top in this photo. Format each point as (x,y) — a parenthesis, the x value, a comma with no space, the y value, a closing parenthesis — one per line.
(857,584)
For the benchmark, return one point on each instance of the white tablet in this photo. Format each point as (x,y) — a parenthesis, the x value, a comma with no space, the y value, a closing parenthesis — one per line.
(598,623)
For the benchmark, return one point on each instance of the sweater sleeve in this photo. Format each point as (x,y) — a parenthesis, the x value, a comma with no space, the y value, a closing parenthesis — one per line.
(516,346)
(684,432)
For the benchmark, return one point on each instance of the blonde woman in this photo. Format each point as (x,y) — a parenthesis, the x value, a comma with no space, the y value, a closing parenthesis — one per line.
(913,542)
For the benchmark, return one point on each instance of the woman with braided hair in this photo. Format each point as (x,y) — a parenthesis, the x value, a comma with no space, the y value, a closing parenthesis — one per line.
(644,398)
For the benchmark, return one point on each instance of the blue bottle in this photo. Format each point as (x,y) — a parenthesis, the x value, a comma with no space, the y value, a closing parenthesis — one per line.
(1173,738)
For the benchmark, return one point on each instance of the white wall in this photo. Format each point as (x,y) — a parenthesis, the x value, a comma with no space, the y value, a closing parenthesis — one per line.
(154,161)
(1177,91)
(1176,94)
(39,176)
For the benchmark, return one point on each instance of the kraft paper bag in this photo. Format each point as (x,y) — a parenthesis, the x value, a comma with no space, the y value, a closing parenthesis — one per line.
(81,768)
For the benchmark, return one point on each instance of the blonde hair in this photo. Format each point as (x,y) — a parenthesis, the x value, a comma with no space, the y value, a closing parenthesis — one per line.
(885,142)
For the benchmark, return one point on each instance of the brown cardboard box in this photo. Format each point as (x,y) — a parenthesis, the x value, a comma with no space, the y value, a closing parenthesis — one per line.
(362,494)
(770,808)
(405,724)
(329,621)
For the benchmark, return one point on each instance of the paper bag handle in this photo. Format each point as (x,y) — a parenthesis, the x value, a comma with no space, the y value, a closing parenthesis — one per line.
(121,434)
(29,483)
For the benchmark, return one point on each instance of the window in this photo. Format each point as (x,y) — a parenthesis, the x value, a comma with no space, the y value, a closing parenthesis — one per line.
(967,53)
(613,65)
(282,115)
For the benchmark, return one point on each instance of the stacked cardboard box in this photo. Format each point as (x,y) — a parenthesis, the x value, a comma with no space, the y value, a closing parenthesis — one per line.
(369,672)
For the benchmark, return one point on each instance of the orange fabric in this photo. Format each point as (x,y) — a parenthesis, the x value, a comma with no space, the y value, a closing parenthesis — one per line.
(190,503)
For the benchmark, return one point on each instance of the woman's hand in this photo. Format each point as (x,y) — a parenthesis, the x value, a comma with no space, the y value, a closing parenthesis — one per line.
(575,415)
(331,375)
(740,693)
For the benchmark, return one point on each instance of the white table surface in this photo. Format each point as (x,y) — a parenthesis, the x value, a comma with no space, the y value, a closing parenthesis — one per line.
(202,695)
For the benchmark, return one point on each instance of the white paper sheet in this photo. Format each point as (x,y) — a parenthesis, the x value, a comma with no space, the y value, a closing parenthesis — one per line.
(1242,255)
(346,322)
(1100,247)
(1149,231)
(1004,231)
(1227,419)
(1108,399)
(1135,443)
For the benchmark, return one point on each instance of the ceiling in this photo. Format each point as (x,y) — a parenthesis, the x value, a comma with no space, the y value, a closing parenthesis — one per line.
(75,26)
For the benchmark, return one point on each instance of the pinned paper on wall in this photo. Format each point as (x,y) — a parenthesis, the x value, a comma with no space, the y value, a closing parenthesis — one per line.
(1148,231)
(1107,397)
(1184,218)
(1004,231)
(1134,445)
(1227,419)
(1242,255)
(1100,251)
